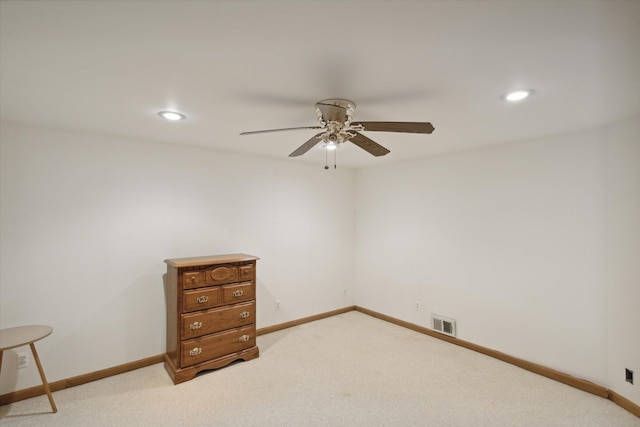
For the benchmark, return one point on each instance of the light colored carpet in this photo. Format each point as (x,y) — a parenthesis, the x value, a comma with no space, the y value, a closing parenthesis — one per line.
(347,370)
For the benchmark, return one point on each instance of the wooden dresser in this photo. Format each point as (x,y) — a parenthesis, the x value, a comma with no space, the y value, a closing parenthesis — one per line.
(211,313)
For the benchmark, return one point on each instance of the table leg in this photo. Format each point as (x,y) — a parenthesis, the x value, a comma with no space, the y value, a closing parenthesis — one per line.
(44,379)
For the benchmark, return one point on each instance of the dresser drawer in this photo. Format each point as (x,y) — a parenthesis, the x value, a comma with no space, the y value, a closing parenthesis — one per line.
(221,275)
(216,320)
(217,345)
(247,272)
(235,293)
(192,279)
(201,299)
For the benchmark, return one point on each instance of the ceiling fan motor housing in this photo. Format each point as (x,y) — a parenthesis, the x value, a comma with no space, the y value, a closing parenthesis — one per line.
(335,115)
(328,112)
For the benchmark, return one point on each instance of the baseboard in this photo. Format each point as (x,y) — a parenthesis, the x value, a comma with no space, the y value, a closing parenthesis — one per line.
(28,393)
(286,325)
(625,403)
(567,379)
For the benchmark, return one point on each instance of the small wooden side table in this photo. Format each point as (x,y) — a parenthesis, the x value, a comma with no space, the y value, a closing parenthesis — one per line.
(23,335)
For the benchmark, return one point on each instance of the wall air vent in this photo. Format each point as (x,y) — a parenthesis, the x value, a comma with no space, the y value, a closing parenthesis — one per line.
(444,325)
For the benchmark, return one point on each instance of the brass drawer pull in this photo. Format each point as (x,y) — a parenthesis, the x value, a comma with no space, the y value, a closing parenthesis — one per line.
(202,299)
(196,351)
(238,293)
(195,325)
(244,338)
(245,314)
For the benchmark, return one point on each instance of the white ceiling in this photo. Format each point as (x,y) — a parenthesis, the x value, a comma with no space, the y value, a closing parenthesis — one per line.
(232,66)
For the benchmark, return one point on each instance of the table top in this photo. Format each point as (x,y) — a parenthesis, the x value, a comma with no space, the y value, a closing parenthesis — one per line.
(23,335)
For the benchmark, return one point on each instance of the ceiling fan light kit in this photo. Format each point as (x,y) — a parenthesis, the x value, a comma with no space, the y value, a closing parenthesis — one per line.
(336,121)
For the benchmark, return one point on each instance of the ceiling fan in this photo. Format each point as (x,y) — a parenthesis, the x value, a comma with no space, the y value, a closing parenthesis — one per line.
(335,116)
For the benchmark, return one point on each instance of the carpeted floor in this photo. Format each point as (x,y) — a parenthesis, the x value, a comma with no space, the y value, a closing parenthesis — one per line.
(346,370)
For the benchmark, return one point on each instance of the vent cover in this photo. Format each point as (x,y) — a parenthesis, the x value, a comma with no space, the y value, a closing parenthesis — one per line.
(444,325)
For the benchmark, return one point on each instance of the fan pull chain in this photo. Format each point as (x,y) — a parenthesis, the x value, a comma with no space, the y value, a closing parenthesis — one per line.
(335,158)
(326,158)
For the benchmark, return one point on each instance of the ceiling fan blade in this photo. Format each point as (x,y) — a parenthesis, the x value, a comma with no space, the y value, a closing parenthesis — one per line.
(279,130)
(409,127)
(369,145)
(307,145)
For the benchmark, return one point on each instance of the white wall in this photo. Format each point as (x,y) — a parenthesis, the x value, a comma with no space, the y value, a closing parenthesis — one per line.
(86,222)
(532,247)
(510,241)
(623,256)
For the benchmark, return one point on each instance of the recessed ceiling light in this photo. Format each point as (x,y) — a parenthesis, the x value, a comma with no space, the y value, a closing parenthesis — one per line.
(172,115)
(518,95)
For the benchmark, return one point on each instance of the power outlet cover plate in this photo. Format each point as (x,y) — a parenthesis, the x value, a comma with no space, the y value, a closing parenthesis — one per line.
(23,360)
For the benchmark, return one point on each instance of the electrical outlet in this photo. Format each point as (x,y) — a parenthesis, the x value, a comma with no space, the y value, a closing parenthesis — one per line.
(344,292)
(628,375)
(277,304)
(23,359)
(418,306)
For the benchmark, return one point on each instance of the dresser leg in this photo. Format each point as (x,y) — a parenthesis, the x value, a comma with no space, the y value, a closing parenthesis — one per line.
(44,379)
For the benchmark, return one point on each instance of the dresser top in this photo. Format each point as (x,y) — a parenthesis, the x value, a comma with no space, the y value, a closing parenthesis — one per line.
(212,259)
